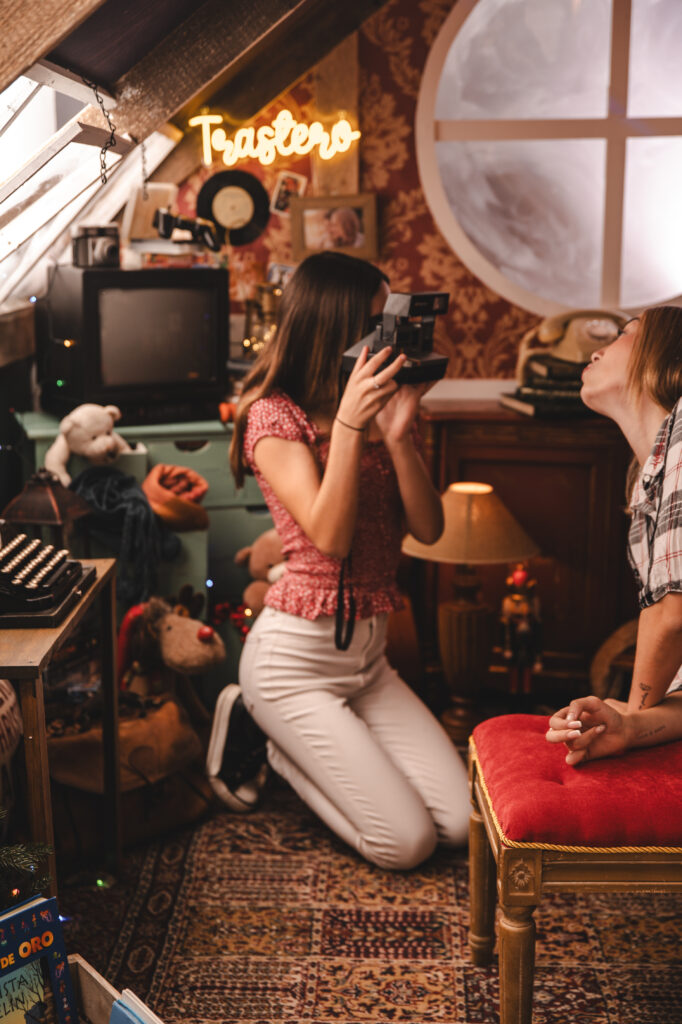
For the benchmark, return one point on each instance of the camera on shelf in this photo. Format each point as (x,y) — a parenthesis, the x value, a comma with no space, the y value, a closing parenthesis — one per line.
(96,246)
(406,324)
(198,229)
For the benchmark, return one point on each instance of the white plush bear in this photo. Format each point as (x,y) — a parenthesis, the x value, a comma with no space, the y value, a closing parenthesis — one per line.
(89,431)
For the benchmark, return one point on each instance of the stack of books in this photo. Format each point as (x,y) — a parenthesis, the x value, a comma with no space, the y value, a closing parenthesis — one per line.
(129,1009)
(550,389)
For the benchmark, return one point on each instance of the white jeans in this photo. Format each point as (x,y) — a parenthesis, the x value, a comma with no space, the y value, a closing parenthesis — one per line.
(352,738)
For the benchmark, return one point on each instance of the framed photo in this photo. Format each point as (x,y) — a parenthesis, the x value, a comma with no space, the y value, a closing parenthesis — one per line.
(288,184)
(343,223)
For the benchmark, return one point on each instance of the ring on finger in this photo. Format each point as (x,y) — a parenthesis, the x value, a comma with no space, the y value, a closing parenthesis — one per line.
(376,383)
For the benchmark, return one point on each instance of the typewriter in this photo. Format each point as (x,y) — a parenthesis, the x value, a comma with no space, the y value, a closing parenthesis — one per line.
(39,583)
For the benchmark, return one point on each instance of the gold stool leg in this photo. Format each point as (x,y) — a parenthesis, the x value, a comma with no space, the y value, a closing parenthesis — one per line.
(517,964)
(482,892)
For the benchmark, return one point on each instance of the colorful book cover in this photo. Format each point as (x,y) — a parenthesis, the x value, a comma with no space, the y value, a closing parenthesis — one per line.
(35,983)
(26,995)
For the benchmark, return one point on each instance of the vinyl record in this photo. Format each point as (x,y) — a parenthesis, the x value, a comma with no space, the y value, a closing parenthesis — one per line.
(237,203)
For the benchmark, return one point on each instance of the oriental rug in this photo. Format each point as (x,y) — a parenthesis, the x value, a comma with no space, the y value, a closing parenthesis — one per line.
(268,917)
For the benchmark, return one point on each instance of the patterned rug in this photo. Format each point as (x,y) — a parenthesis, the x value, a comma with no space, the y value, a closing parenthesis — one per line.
(269,918)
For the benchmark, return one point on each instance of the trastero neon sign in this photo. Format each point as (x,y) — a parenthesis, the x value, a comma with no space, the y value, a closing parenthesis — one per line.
(285,136)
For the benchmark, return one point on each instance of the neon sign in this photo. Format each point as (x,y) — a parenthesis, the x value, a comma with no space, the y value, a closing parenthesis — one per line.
(285,136)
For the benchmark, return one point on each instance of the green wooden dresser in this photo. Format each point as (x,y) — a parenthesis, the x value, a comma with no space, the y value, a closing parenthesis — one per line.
(236,516)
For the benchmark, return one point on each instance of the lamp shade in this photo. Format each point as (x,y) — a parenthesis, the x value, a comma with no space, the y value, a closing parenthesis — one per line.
(479,530)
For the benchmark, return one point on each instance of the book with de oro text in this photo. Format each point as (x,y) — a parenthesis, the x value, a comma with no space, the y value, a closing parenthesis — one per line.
(35,983)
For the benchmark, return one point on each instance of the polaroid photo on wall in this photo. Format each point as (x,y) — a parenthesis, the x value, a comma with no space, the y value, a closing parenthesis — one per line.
(279,273)
(288,184)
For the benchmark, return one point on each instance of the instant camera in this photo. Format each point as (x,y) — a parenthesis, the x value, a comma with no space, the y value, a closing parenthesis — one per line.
(199,229)
(406,324)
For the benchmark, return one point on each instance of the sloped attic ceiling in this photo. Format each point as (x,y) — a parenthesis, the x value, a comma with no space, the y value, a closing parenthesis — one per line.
(156,62)
(161,59)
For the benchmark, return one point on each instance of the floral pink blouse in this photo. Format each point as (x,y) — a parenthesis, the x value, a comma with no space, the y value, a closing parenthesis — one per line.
(309,585)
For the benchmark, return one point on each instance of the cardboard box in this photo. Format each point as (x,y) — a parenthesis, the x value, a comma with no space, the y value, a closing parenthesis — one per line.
(94,995)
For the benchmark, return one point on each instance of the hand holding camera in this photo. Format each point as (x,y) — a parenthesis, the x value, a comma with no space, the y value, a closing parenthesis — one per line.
(395,419)
(369,387)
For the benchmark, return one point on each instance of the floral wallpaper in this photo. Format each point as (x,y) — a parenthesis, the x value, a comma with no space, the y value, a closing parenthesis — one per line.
(481,331)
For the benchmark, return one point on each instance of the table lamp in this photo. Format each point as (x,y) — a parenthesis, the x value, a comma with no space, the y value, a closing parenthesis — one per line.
(44,502)
(479,530)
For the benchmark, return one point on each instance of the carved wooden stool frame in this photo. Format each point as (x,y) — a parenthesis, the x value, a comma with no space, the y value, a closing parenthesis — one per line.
(525,872)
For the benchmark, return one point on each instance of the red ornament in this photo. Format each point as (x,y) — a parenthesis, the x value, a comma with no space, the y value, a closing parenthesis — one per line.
(238,614)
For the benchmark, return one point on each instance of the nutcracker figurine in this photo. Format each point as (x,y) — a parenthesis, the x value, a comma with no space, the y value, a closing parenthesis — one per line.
(522,627)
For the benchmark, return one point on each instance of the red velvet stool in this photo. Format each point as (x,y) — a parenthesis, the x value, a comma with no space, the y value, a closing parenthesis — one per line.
(540,826)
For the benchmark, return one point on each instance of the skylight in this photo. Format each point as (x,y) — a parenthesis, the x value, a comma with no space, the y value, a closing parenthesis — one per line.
(51,177)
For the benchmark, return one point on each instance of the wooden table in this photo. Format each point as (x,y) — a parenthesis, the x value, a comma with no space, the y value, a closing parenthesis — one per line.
(24,654)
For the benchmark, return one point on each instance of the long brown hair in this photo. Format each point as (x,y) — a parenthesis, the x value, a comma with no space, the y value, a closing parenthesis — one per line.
(325,308)
(655,365)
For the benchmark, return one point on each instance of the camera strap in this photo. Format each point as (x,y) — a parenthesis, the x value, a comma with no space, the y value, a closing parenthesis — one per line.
(343,633)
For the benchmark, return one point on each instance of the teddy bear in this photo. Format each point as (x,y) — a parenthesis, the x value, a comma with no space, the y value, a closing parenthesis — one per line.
(265,563)
(88,430)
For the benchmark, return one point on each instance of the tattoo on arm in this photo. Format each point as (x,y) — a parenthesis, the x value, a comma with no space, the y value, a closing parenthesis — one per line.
(646,689)
(651,732)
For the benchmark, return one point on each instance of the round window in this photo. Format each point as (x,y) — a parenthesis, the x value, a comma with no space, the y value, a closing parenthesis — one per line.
(549,145)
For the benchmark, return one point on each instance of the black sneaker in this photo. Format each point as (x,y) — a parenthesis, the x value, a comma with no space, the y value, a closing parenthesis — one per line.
(236,763)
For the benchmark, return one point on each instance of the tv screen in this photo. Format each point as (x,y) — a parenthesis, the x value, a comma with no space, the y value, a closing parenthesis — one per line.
(158,336)
(154,342)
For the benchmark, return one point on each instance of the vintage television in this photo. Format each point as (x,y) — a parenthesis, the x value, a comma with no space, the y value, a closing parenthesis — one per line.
(153,342)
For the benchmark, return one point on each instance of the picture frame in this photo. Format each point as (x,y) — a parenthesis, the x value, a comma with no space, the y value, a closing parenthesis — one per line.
(346,224)
(287,185)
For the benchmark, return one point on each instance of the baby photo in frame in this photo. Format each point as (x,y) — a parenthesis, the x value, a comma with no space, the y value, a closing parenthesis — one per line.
(288,184)
(342,223)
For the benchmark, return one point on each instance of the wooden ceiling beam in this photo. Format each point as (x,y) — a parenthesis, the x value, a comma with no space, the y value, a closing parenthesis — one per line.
(281,57)
(241,55)
(194,54)
(29,30)
(181,161)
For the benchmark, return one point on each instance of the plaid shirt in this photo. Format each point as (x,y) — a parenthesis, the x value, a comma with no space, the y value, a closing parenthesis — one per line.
(655,537)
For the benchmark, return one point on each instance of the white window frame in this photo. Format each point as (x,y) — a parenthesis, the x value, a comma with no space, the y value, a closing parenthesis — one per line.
(99,203)
(73,131)
(616,128)
(30,93)
(68,83)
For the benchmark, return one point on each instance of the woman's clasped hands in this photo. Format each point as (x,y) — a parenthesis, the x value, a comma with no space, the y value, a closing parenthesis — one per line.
(590,728)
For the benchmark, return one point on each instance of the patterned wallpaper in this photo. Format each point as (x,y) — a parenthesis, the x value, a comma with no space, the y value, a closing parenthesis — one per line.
(481,331)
